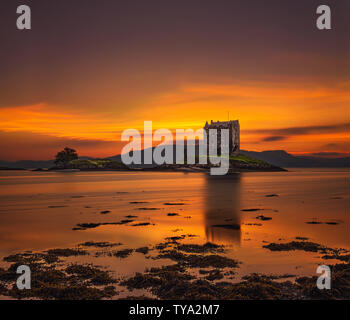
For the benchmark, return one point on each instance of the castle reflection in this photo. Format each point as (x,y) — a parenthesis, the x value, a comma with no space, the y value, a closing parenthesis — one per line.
(222,214)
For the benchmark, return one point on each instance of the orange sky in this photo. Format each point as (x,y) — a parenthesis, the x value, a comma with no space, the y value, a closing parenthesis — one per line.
(295,117)
(71,83)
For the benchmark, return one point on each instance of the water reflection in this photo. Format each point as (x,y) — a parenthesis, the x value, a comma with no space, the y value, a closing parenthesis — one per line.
(222,208)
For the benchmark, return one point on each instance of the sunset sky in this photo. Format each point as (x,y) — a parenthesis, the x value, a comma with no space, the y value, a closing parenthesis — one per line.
(90,69)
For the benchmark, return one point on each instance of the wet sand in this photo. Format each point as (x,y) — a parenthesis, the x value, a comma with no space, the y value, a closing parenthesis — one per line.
(244,213)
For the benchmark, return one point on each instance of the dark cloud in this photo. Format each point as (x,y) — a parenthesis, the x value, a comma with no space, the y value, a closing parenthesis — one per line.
(107,48)
(341,146)
(295,131)
(273,138)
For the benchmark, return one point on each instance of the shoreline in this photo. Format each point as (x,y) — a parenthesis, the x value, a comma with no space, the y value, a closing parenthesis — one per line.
(197,271)
(169,253)
(159,169)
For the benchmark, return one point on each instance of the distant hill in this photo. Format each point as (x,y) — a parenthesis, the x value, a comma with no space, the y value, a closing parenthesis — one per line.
(284,159)
(119,158)
(27,164)
(281,158)
(278,158)
(31,164)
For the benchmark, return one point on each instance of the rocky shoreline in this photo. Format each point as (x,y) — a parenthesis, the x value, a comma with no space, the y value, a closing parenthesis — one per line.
(234,168)
(198,272)
(239,163)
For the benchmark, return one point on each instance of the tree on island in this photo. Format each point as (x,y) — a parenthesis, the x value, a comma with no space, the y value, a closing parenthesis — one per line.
(63,157)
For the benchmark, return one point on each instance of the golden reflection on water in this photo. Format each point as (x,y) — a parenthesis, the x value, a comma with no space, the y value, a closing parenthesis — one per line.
(222,204)
(28,222)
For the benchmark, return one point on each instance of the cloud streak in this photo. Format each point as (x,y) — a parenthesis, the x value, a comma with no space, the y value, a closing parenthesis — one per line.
(282,133)
(273,138)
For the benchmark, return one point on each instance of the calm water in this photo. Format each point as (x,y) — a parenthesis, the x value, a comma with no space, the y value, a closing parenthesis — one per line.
(28,222)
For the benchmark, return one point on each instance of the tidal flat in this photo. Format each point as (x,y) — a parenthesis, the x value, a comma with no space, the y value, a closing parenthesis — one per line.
(52,222)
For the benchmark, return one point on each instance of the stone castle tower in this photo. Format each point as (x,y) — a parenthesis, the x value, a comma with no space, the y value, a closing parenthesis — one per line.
(234,134)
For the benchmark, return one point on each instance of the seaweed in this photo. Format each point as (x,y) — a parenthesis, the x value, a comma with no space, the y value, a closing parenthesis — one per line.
(50,256)
(337,256)
(198,261)
(138,202)
(122,253)
(215,274)
(268,277)
(52,291)
(313,222)
(54,207)
(94,275)
(258,287)
(157,278)
(175,239)
(122,222)
(296,245)
(143,250)
(99,244)
(3,289)
(66,252)
(205,248)
(75,282)
(84,226)
(172,284)
(340,279)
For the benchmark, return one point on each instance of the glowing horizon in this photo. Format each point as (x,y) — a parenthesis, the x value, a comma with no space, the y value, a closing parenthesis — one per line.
(81,84)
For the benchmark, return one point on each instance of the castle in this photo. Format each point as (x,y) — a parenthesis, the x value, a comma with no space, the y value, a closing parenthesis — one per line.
(234,134)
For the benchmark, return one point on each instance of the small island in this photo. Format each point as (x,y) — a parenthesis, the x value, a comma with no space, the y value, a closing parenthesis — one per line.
(68,160)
